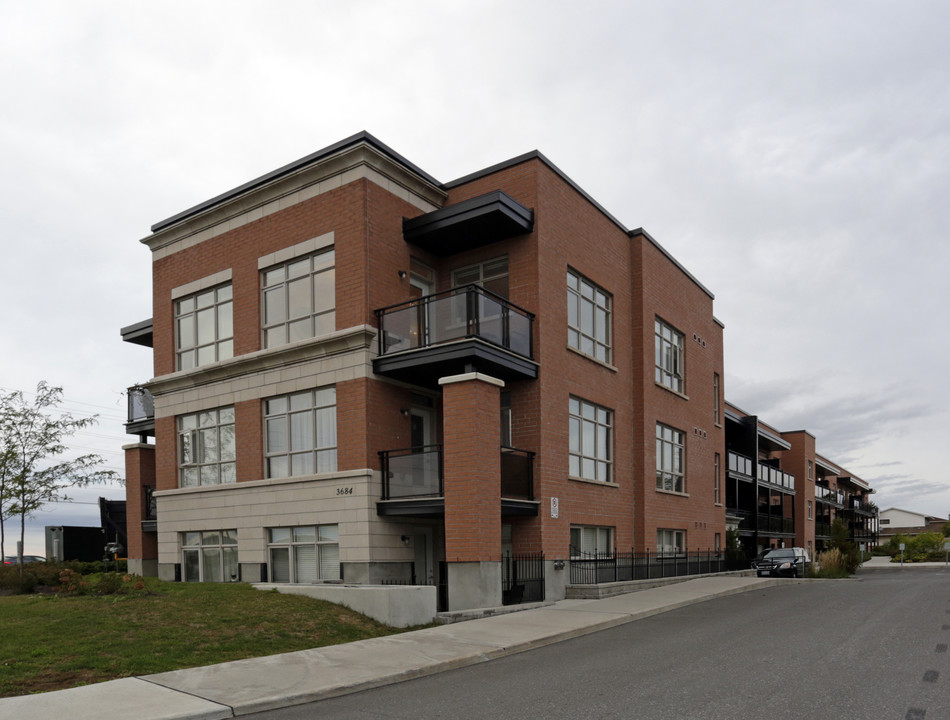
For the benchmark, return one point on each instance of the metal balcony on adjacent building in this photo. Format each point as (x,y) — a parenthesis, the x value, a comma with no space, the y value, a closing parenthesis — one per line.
(460,330)
(413,482)
(141,413)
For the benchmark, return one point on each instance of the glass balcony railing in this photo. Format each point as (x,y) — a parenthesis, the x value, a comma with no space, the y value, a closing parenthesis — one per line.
(774,476)
(141,405)
(740,464)
(829,495)
(417,473)
(461,313)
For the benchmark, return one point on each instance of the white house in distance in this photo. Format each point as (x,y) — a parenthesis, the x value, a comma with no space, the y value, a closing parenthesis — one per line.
(894,521)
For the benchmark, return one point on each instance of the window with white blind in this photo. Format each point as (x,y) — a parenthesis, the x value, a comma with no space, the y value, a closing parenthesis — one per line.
(305,554)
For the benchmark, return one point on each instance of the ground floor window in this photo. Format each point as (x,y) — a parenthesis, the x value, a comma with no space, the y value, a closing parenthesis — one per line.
(306,554)
(671,542)
(588,541)
(209,556)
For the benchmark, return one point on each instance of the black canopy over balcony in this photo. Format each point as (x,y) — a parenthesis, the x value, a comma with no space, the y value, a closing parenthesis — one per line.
(469,224)
(464,329)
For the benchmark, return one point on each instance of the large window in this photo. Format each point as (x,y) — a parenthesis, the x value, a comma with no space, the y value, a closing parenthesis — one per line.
(491,275)
(209,556)
(717,415)
(299,299)
(305,554)
(588,317)
(670,466)
(717,481)
(204,325)
(592,541)
(590,450)
(206,448)
(300,433)
(671,542)
(669,356)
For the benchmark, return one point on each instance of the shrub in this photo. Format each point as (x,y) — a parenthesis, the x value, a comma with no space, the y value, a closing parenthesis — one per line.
(833,564)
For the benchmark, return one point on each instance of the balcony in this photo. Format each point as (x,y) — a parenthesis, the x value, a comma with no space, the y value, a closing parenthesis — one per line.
(776,525)
(828,495)
(740,464)
(774,476)
(459,330)
(141,413)
(413,482)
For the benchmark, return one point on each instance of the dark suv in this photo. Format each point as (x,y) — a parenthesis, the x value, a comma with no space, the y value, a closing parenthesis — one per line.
(783,562)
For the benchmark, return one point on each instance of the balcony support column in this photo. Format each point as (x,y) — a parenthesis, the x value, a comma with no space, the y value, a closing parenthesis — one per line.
(471,429)
(142,551)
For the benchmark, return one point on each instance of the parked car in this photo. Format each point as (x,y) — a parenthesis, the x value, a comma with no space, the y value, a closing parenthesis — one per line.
(783,562)
(12,559)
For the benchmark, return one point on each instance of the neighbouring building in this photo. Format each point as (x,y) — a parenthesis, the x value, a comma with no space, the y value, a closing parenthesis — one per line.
(895,521)
(362,374)
(782,493)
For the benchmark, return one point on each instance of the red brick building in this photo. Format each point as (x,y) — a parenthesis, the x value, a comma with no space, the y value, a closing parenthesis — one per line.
(364,374)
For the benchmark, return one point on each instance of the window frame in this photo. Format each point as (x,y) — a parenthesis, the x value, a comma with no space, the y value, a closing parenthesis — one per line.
(717,479)
(488,276)
(675,439)
(191,438)
(669,356)
(320,320)
(325,541)
(594,342)
(677,546)
(187,309)
(203,548)
(600,420)
(717,407)
(323,457)
(602,534)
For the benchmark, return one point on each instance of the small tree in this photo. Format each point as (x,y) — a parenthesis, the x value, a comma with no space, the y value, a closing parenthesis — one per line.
(31,438)
(841,541)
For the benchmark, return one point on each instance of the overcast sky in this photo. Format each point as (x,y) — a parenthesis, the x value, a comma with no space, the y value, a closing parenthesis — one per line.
(794,156)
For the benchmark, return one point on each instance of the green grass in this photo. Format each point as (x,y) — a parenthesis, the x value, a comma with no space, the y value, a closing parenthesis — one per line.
(50,642)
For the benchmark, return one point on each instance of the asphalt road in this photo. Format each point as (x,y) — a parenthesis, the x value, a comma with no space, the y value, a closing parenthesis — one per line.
(872,647)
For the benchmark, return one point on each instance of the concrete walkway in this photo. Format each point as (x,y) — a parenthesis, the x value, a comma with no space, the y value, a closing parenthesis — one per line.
(246,686)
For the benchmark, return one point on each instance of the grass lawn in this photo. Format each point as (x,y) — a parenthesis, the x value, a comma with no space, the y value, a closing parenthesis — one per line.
(50,642)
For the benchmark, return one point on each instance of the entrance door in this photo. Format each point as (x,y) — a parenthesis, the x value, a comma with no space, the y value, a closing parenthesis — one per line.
(423,560)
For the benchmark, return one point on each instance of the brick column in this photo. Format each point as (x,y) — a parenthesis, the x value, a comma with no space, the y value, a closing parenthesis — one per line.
(471,430)
(142,551)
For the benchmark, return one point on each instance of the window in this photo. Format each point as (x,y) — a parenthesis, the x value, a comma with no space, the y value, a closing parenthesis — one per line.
(588,317)
(717,494)
(811,469)
(716,408)
(717,543)
(491,275)
(299,298)
(589,440)
(592,541)
(205,328)
(209,556)
(506,418)
(300,433)
(669,356)
(671,542)
(884,521)
(206,448)
(809,510)
(306,554)
(670,466)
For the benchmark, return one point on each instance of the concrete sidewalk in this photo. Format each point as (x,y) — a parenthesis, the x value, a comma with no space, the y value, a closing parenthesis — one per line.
(246,686)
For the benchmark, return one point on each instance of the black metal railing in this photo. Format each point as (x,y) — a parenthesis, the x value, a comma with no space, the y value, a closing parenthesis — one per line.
(151,507)
(522,578)
(776,524)
(517,473)
(464,312)
(595,569)
(412,472)
(141,405)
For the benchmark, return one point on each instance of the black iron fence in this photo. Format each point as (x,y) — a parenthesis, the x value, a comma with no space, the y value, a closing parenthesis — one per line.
(522,578)
(593,569)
